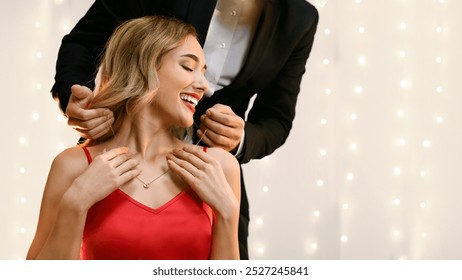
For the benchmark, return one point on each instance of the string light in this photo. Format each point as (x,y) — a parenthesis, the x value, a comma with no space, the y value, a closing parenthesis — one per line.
(426,143)
(350,176)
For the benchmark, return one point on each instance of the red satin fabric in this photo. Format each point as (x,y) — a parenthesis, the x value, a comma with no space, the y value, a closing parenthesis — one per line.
(119,227)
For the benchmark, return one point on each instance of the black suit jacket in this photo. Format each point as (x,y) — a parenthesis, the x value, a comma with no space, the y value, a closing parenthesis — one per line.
(273,69)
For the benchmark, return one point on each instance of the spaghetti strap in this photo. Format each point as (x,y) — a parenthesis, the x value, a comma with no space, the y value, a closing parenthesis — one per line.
(87,154)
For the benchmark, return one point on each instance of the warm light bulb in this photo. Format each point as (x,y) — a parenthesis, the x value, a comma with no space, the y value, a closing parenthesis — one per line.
(344,239)
(327,31)
(405,84)
(323,152)
(397,171)
(397,201)
(350,176)
(265,189)
(400,113)
(325,61)
(261,250)
(317,213)
(439,119)
(401,142)
(361,29)
(358,89)
(345,206)
(320,183)
(35,116)
(328,91)
(426,143)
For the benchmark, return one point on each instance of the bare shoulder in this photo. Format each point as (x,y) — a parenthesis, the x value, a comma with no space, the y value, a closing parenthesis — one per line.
(225,158)
(67,166)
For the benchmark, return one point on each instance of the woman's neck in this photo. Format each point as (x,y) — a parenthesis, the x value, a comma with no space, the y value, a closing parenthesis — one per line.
(147,139)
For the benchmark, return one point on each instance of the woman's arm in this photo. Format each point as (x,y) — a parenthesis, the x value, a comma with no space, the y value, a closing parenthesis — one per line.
(64,169)
(72,188)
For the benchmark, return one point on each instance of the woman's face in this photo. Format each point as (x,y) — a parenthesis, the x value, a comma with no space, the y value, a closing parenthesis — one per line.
(181,83)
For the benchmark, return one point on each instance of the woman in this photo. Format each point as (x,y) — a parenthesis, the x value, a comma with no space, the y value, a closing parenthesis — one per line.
(140,191)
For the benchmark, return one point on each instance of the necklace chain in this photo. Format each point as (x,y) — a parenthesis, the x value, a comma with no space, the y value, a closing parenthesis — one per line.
(146,185)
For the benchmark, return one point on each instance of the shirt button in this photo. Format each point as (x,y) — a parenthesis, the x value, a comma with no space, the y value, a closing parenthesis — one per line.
(233,13)
(222,45)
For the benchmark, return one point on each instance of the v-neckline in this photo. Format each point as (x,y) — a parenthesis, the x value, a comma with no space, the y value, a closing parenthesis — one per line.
(156,210)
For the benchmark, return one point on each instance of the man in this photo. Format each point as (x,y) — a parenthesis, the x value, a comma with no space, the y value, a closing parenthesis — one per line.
(251,46)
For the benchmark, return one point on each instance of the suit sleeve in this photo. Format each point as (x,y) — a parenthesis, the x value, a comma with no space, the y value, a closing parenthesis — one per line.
(270,119)
(81,49)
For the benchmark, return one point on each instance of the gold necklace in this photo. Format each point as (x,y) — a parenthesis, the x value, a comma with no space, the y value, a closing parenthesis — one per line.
(146,185)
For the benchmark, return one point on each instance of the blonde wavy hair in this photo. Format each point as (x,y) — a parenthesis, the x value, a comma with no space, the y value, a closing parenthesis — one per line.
(128,71)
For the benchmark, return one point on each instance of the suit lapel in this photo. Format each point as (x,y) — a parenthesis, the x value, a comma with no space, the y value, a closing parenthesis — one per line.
(200,14)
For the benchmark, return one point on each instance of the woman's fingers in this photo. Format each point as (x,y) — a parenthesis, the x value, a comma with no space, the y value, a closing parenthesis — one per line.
(191,158)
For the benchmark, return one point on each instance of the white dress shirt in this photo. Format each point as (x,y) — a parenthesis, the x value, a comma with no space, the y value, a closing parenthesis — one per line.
(228,41)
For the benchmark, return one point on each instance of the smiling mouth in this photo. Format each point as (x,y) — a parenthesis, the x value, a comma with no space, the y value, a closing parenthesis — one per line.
(190,99)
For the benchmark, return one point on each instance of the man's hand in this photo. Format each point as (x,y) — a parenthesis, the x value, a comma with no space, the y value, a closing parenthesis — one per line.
(223,128)
(90,123)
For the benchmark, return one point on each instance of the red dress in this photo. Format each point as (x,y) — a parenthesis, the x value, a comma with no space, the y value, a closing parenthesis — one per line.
(119,227)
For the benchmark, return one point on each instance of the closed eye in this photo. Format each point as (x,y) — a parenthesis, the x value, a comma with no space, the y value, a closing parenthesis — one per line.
(187,68)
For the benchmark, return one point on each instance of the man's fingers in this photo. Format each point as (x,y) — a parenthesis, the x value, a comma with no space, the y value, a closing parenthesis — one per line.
(90,118)
(81,93)
(214,116)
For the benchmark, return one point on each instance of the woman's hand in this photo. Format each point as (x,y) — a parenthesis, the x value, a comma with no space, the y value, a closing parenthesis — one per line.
(205,176)
(105,174)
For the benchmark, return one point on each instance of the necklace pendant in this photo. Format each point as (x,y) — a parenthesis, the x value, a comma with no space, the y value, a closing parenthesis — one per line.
(145,186)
